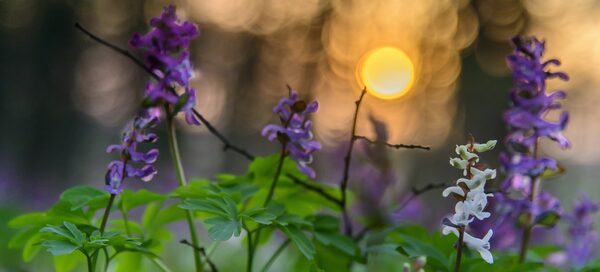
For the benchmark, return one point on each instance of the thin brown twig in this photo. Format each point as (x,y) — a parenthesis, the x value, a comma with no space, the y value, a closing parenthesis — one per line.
(396,146)
(347,160)
(315,189)
(202,251)
(227,145)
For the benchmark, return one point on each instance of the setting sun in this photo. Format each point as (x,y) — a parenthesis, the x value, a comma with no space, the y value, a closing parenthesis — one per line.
(386,72)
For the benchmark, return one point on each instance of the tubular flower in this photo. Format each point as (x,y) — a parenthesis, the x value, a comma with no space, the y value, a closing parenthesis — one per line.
(166,52)
(471,196)
(295,131)
(125,167)
(530,101)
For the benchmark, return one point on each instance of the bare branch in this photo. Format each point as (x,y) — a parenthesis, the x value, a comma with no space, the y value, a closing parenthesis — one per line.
(396,146)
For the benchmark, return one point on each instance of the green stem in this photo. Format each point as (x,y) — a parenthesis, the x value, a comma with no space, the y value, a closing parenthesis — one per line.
(175,156)
(276,177)
(252,247)
(275,255)
(106,259)
(111,200)
(125,219)
(159,263)
(107,212)
(90,265)
(250,252)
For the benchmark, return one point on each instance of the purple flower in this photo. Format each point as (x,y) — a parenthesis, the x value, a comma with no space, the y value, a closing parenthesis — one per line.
(295,131)
(166,51)
(526,123)
(530,100)
(583,238)
(124,167)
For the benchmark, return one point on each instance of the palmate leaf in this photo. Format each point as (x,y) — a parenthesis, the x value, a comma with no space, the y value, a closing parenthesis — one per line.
(131,199)
(300,240)
(223,228)
(59,247)
(259,215)
(327,232)
(81,196)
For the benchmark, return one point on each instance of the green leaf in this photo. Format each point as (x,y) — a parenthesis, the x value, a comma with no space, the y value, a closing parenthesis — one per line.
(67,263)
(299,239)
(551,173)
(203,206)
(59,247)
(80,196)
(260,216)
(29,219)
(326,223)
(223,228)
(415,248)
(547,219)
(131,199)
(341,242)
(195,189)
(31,247)
(75,232)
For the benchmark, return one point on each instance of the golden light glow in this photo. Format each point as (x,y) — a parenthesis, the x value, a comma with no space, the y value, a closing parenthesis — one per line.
(386,72)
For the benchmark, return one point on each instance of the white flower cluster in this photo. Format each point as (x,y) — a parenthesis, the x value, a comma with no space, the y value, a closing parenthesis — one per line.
(473,199)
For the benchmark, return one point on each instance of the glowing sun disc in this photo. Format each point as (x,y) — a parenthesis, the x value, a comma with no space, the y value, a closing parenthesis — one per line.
(387,72)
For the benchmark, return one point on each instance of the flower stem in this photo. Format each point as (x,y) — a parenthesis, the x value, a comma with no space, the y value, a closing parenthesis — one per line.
(532,196)
(524,244)
(277,174)
(252,247)
(250,252)
(275,255)
(107,212)
(90,265)
(175,156)
(461,234)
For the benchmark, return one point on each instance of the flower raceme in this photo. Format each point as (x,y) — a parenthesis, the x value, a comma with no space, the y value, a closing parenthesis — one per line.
(135,134)
(166,51)
(294,133)
(530,102)
(471,196)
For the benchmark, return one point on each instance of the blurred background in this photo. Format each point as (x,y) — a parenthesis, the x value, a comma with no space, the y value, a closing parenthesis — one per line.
(64,98)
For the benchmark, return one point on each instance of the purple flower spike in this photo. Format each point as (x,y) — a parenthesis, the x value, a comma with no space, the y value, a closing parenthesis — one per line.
(119,170)
(530,102)
(166,51)
(295,130)
(526,124)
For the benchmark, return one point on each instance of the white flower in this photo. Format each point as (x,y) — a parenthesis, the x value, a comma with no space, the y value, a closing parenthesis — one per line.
(463,152)
(485,147)
(476,202)
(479,178)
(481,245)
(462,214)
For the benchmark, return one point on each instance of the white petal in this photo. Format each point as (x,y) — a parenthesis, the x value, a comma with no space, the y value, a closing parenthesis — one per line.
(485,147)
(454,189)
(486,255)
(459,163)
